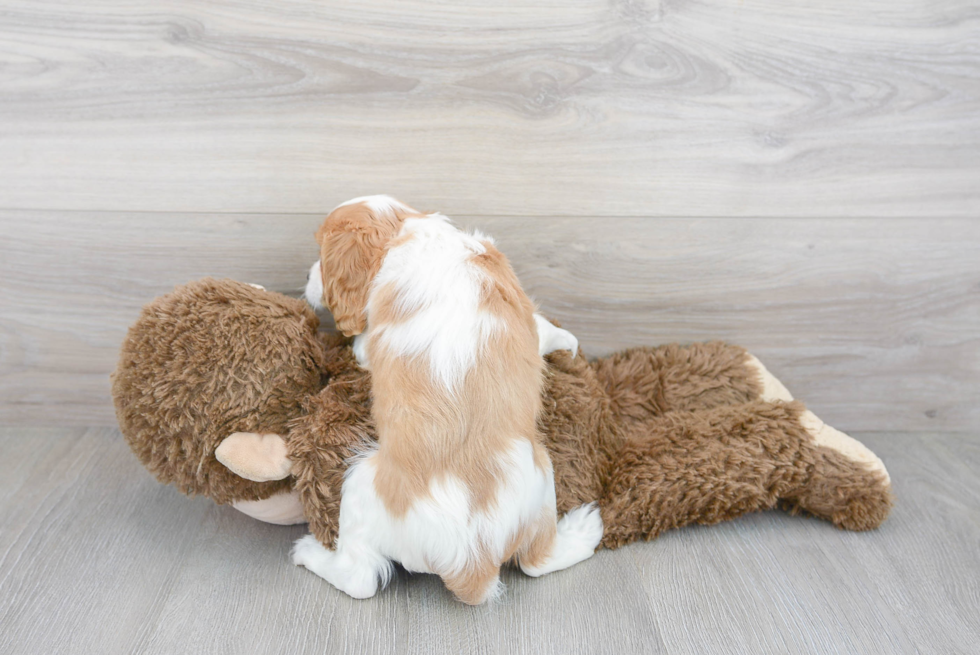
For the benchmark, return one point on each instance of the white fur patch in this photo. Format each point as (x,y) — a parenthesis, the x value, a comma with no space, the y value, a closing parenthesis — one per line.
(579,534)
(314,287)
(435,281)
(441,533)
(360,351)
(552,338)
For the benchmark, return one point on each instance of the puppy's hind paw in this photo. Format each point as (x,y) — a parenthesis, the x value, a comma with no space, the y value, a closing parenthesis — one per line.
(308,551)
(580,531)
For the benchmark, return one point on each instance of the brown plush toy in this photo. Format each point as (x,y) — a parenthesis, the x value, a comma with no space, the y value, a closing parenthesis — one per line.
(227,390)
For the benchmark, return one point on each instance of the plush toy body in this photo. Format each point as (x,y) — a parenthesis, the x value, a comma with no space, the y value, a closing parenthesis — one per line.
(228,391)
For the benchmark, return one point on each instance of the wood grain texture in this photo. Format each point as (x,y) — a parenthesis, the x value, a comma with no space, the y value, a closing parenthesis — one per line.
(871,322)
(96,557)
(517,108)
(775,583)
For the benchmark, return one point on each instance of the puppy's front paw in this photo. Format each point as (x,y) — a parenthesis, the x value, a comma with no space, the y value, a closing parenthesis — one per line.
(565,340)
(552,338)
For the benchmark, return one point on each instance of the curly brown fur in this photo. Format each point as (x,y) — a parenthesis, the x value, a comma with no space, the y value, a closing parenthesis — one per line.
(644,382)
(704,467)
(337,424)
(660,437)
(844,492)
(212,358)
(576,423)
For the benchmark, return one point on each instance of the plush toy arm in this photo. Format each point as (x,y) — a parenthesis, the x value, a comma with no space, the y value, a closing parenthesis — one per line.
(552,338)
(256,457)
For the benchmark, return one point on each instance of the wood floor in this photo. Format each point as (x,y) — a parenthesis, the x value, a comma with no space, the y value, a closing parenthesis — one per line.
(96,557)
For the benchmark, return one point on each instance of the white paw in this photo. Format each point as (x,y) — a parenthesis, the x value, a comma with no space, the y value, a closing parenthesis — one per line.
(580,531)
(306,551)
(356,578)
(564,340)
(578,535)
(551,338)
(360,351)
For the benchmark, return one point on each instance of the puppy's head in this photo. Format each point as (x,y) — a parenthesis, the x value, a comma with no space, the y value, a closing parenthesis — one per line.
(353,241)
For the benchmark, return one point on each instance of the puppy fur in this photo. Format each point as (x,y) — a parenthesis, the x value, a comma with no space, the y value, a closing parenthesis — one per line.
(459,481)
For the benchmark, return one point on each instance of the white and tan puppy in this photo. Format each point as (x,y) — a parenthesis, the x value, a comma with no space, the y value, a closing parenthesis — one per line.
(459,482)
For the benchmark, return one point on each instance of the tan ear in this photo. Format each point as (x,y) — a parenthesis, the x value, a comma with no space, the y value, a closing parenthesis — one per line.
(256,457)
(353,241)
(348,263)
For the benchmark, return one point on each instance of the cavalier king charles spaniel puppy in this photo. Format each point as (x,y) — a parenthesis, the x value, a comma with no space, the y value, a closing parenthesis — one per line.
(459,481)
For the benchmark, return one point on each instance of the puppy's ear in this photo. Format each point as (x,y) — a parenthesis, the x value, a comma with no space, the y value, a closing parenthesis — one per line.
(348,263)
(353,242)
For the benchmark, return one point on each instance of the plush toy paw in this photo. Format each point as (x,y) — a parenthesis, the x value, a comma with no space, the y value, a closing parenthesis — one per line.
(578,535)
(823,435)
(849,447)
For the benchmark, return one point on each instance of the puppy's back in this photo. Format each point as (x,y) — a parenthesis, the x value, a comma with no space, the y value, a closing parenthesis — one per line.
(457,374)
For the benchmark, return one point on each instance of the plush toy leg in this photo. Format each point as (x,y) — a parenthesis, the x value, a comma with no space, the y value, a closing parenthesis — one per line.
(849,485)
(703,467)
(823,434)
(714,465)
(848,493)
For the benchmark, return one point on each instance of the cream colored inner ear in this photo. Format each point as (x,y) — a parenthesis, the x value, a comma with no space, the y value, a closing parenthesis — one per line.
(256,457)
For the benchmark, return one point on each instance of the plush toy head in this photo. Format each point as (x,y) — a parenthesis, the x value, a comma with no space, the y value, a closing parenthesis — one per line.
(213,358)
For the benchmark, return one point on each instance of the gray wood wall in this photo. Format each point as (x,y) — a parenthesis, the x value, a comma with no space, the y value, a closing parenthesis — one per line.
(800,178)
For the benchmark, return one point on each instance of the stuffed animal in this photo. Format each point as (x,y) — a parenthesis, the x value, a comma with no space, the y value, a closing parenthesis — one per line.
(229,391)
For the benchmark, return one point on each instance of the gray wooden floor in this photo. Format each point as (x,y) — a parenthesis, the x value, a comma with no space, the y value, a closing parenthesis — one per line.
(96,557)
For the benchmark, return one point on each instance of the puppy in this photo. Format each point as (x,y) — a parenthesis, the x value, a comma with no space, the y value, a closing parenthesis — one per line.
(459,482)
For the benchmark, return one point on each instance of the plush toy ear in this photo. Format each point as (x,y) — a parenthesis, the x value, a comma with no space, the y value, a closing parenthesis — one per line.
(256,457)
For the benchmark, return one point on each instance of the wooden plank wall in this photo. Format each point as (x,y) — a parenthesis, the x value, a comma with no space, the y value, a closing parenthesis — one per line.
(803,180)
